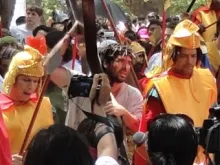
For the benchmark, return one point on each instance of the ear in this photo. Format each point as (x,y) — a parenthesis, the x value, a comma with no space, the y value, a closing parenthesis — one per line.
(105,64)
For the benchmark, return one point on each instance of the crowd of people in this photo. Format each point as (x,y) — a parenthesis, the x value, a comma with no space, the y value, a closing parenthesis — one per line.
(105,119)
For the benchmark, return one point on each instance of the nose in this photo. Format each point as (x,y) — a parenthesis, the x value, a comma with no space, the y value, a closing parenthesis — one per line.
(126,66)
(190,60)
(29,15)
(31,86)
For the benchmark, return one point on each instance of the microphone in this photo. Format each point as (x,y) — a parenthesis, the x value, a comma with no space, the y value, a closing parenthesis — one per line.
(139,138)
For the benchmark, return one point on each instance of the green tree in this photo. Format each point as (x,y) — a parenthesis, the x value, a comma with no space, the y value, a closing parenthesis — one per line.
(182,5)
(48,6)
(142,7)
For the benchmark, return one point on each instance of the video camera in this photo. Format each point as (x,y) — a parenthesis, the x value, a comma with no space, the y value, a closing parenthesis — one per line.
(80,86)
(209,134)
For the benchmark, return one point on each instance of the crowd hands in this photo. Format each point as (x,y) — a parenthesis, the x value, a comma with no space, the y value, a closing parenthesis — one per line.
(115,111)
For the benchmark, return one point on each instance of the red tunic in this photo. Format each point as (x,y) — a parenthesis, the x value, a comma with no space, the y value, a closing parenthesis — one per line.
(5,152)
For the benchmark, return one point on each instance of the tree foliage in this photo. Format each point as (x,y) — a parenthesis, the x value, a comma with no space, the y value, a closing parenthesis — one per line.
(142,7)
(49,6)
(180,6)
(132,7)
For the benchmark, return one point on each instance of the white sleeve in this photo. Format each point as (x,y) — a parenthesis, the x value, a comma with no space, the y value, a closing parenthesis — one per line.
(135,102)
(106,160)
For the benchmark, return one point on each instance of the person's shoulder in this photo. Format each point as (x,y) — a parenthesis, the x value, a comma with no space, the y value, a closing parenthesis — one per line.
(203,72)
(19,27)
(46,102)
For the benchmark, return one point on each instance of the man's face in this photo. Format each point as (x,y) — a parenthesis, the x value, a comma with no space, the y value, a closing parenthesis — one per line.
(152,28)
(168,33)
(32,18)
(119,69)
(185,61)
(24,87)
(138,62)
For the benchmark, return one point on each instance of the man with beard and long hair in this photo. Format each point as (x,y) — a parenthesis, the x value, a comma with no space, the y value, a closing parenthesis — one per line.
(116,63)
(126,101)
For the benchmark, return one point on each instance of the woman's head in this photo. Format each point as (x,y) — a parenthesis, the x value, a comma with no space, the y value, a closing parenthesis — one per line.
(172,140)
(58,145)
(24,75)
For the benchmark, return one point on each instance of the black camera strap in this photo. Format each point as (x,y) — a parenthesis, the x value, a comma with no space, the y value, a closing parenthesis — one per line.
(208,139)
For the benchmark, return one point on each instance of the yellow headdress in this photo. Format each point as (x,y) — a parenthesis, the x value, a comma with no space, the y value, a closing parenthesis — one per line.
(28,63)
(137,48)
(186,35)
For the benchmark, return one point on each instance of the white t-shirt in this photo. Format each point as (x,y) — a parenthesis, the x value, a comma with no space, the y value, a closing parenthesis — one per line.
(20,33)
(128,96)
(106,160)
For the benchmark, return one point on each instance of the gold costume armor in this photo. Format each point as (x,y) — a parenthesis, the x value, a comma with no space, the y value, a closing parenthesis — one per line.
(186,35)
(28,63)
(17,117)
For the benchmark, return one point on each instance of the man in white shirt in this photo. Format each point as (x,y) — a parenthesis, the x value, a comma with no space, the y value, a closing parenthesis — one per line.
(33,19)
(127,100)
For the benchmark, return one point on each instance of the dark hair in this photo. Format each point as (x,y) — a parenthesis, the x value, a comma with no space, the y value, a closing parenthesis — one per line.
(172,141)
(171,22)
(131,35)
(52,38)
(35,8)
(109,53)
(58,145)
(7,53)
(44,28)
(20,20)
(176,51)
(171,25)
(155,22)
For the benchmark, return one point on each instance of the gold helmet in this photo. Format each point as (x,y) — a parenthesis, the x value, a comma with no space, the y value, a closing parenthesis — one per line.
(28,63)
(186,35)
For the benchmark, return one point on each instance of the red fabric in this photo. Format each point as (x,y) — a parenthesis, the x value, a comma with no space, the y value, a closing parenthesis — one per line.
(196,12)
(155,108)
(93,152)
(142,83)
(5,152)
(38,42)
(6,102)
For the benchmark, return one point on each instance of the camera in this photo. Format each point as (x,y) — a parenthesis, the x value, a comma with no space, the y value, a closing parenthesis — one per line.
(209,134)
(80,86)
